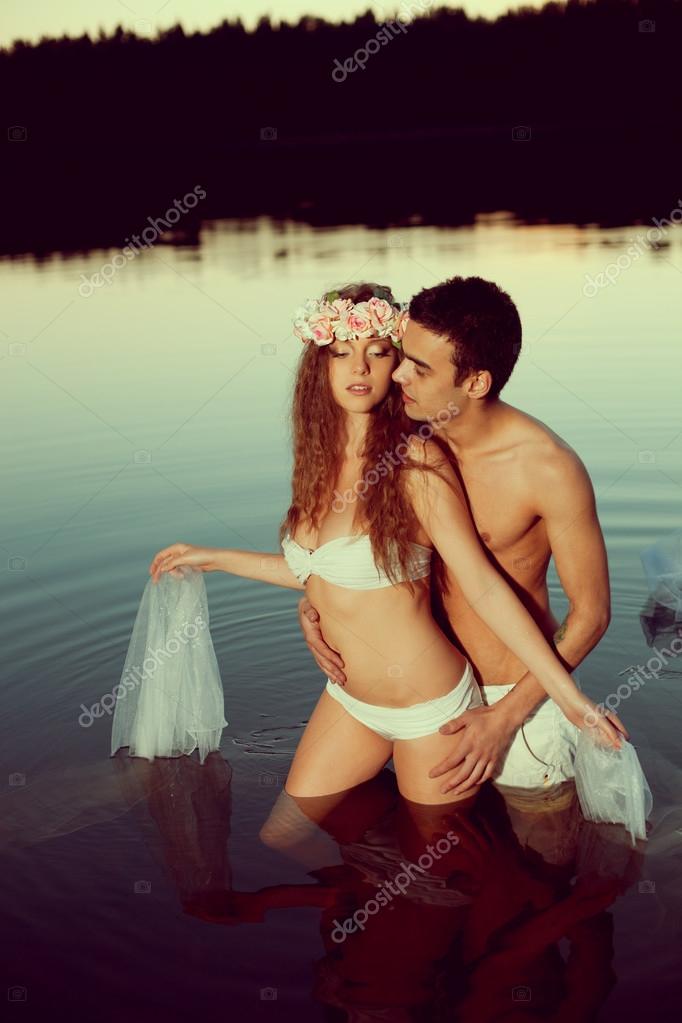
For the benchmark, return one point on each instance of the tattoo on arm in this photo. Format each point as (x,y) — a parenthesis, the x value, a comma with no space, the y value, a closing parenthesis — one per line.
(561,631)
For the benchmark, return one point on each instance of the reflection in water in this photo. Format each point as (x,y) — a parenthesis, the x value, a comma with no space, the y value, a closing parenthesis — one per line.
(190,806)
(473,924)
(413,925)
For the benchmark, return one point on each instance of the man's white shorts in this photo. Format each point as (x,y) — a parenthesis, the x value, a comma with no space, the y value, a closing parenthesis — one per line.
(542,751)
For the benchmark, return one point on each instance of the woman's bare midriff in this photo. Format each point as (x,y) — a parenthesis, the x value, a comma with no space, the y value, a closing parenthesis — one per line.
(393,651)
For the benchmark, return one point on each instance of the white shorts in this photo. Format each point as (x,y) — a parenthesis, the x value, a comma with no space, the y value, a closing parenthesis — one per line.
(542,751)
(417,720)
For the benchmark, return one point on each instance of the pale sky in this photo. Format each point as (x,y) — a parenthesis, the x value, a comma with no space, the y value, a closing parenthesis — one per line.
(30,19)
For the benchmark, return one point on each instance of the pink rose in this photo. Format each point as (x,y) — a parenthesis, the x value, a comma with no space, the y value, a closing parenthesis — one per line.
(401,325)
(360,320)
(338,308)
(381,313)
(321,329)
(342,331)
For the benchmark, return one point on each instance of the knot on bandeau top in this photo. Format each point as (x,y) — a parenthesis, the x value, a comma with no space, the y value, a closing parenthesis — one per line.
(349,561)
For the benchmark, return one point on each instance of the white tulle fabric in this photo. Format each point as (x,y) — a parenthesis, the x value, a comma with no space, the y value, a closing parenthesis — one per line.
(611,784)
(663,567)
(170,698)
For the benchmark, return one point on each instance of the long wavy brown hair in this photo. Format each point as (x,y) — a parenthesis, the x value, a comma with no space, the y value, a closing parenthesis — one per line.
(319,438)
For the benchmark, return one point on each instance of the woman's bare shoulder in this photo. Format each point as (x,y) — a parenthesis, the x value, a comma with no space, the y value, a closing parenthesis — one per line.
(427,451)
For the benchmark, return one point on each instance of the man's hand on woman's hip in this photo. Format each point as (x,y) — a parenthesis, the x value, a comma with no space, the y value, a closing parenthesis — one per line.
(485,735)
(328,660)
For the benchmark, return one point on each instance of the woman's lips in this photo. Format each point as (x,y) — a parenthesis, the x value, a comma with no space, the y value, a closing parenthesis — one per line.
(407,399)
(359,389)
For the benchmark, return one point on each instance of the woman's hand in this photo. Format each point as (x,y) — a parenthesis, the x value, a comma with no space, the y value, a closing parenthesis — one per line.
(585,714)
(203,559)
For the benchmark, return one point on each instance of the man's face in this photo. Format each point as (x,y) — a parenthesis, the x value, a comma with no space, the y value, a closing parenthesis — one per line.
(426,374)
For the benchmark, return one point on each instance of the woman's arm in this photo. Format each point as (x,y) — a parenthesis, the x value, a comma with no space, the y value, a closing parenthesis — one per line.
(442,511)
(266,568)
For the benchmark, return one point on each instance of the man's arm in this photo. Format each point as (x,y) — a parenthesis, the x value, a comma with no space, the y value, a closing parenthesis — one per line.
(568,509)
(566,503)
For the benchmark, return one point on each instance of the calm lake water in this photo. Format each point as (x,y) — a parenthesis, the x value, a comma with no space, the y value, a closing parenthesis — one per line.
(155,410)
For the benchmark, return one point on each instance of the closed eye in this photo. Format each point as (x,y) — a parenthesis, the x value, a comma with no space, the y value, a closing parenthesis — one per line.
(342,355)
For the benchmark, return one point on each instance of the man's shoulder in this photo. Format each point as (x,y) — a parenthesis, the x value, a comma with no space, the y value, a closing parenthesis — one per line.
(545,457)
(541,445)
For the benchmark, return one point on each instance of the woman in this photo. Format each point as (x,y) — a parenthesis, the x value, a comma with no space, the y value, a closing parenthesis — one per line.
(369,506)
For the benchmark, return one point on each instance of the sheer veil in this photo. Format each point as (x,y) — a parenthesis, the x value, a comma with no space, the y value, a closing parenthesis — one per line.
(170,698)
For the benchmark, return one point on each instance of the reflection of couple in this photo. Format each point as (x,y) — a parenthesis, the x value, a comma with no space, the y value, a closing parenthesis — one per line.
(491,491)
(473,928)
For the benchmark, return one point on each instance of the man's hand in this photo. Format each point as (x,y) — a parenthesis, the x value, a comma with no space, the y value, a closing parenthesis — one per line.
(486,736)
(328,660)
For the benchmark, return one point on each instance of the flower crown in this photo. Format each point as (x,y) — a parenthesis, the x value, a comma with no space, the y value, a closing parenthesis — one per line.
(333,318)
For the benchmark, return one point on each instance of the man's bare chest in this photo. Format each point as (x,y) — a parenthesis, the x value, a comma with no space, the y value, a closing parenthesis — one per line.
(503,512)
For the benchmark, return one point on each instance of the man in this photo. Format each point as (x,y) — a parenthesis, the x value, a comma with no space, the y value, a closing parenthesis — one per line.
(531,499)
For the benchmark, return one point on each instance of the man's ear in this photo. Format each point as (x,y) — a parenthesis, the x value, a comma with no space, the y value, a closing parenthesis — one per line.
(478,385)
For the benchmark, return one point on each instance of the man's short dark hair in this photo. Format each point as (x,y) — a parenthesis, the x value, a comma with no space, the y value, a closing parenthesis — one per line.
(479,319)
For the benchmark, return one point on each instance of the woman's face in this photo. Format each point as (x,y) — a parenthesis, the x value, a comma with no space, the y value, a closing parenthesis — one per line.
(360,372)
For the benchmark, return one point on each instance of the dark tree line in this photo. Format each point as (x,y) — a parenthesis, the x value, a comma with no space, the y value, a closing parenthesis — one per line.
(570,112)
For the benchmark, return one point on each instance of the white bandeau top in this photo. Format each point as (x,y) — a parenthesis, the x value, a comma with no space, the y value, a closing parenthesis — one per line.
(349,561)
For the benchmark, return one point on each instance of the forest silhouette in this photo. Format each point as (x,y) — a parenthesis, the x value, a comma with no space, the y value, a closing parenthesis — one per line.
(568,113)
